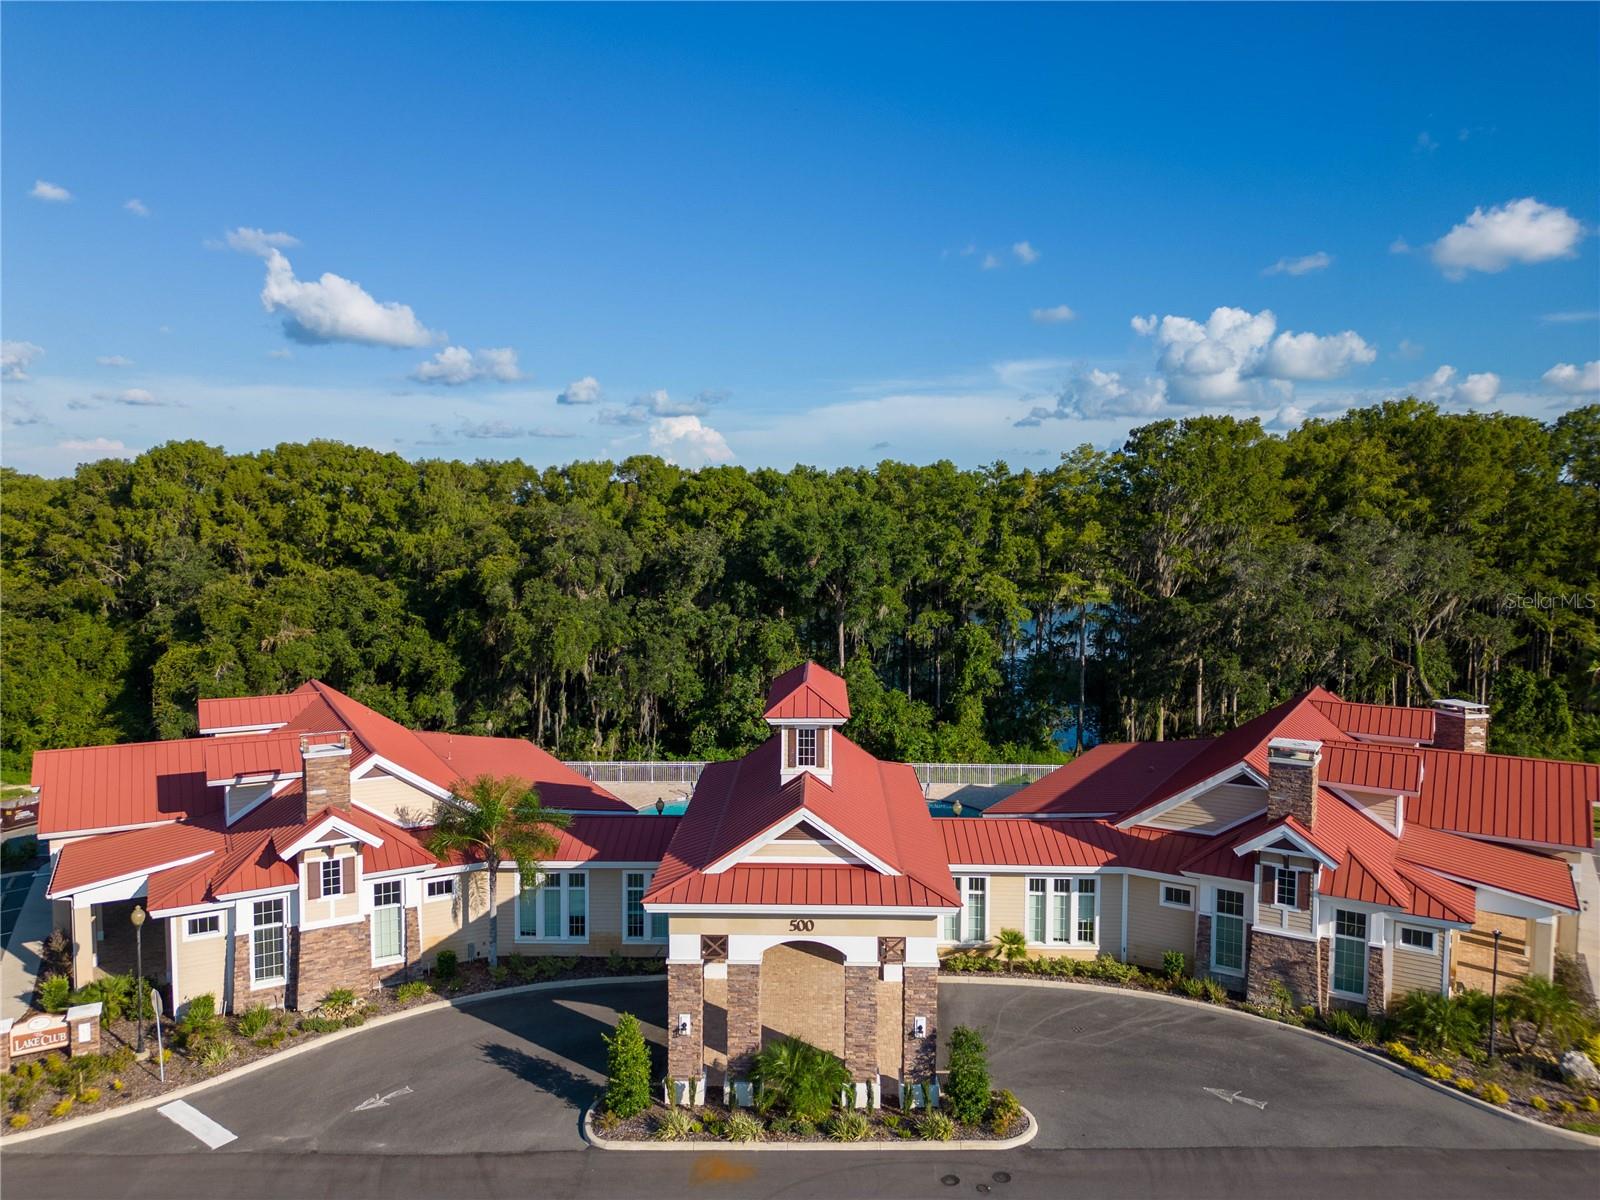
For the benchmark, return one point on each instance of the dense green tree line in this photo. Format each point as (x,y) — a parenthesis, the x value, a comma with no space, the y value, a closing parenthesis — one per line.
(1202,572)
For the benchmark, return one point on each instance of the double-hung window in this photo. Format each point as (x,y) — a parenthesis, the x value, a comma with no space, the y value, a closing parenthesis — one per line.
(971,923)
(1227,932)
(332,876)
(1288,888)
(268,942)
(640,926)
(805,747)
(1350,952)
(388,921)
(1061,911)
(554,907)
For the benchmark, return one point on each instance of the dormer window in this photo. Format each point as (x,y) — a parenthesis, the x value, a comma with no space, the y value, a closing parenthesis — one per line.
(805,754)
(332,877)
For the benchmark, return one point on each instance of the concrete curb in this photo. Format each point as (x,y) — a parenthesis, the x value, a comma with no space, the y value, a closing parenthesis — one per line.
(436,1005)
(604,1143)
(1586,1139)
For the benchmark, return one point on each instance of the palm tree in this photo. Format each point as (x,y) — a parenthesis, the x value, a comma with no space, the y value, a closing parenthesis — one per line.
(1012,945)
(1549,1008)
(494,821)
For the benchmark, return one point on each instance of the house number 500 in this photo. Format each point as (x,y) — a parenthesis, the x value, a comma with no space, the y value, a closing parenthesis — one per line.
(802,926)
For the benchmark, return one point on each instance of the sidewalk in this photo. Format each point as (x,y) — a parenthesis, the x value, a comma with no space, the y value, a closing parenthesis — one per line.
(20,964)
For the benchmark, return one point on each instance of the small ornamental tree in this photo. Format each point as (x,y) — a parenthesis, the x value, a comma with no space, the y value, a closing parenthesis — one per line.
(1012,945)
(967,1085)
(627,1069)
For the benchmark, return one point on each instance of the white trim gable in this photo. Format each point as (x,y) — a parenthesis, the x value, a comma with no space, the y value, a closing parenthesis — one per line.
(1226,775)
(141,875)
(1270,838)
(739,854)
(313,839)
(377,761)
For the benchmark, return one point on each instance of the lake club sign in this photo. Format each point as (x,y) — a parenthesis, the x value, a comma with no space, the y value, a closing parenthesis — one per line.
(38,1034)
(75,1032)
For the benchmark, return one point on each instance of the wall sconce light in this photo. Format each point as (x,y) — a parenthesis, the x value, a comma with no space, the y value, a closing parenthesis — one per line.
(684,1024)
(919,1027)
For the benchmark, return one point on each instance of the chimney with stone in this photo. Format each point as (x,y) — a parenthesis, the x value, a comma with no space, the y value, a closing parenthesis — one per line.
(326,782)
(1292,779)
(1461,725)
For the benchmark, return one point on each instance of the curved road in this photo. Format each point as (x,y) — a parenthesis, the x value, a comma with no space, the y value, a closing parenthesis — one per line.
(1117,1080)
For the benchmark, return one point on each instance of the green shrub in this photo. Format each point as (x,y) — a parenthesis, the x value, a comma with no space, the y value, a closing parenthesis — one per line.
(20,1120)
(1214,992)
(1195,989)
(674,1125)
(89,1095)
(54,993)
(1174,965)
(1440,1071)
(743,1127)
(445,964)
(1494,1093)
(616,964)
(1011,945)
(1590,1104)
(967,1085)
(1567,1107)
(1540,1104)
(1345,1024)
(1546,1014)
(414,990)
(794,1126)
(62,1107)
(254,1020)
(800,1079)
(627,1068)
(200,1022)
(121,1059)
(320,1024)
(1004,1111)
(848,1127)
(499,973)
(1109,969)
(934,1126)
(1438,1022)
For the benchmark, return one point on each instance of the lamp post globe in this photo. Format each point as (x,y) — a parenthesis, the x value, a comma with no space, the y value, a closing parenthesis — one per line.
(138,918)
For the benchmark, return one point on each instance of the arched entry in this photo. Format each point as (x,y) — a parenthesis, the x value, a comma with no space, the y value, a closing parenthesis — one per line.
(802,995)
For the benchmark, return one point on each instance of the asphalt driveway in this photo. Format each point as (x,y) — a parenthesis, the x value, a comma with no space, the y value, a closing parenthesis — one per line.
(485,1100)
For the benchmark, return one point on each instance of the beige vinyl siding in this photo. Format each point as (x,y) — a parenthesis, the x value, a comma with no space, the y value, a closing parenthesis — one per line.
(1224,805)
(1413,970)
(1153,929)
(346,905)
(243,796)
(461,922)
(1381,807)
(393,798)
(806,848)
(1273,916)
(202,966)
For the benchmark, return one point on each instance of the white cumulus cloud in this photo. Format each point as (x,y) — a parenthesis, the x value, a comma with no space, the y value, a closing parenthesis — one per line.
(105,447)
(1301,356)
(16,358)
(114,360)
(1320,261)
(580,391)
(335,309)
(1523,231)
(456,365)
(52,193)
(651,405)
(1057,315)
(137,207)
(1097,394)
(1575,380)
(1227,359)
(1447,386)
(684,440)
(990,262)
(1026,254)
(254,241)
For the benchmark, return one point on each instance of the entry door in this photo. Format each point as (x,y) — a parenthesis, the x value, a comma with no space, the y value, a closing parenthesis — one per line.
(1227,933)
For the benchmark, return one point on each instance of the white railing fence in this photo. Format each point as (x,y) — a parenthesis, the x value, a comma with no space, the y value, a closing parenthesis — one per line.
(960,774)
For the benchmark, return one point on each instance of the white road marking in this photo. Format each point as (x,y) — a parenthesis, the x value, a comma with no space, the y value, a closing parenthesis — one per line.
(1230,1097)
(378,1101)
(197,1123)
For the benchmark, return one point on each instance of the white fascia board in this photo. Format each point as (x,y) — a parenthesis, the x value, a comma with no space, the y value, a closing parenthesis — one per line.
(1005,816)
(1399,807)
(805,722)
(254,777)
(1014,869)
(277,889)
(1264,841)
(1546,909)
(142,873)
(399,772)
(61,834)
(312,839)
(1189,793)
(188,910)
(769,910)
(801,814)
(214,730)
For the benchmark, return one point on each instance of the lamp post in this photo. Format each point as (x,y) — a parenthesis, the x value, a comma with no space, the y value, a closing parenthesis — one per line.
(1494,991)
(137,918)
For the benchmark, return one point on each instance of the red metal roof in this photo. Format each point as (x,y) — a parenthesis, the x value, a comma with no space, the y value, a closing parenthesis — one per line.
(642,838)
(258,754)
(1541,876)
(1376,720)
(252,712)
(807,886)
(1434,896)
(877,805)
(1369,768)
(94,860)
(559,785)
(111,787)
(1110,778)
(808,692)
(1355,881)
(1513,799)
(1019,842)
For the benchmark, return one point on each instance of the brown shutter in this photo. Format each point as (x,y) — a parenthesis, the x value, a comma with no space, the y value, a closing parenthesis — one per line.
(348,875)
(1269,884)
(1303,893)
(314,878)
(790,738)
(822,749)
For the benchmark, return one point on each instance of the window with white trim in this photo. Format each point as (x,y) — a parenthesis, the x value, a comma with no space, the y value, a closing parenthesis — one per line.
(332,877)
(971,922)
(206,925)
(636,922)
(805,747)
(388,921)
(1413,938)
(268,941)
(554,907)
(1287,892)
(1350,952)
(1174,896)
(1227,932)
(438,889)
(1061,911)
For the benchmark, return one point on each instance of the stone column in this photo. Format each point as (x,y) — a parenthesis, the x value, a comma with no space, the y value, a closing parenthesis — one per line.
(919,997)
(1202,945)
(861,1030)
(744,1026)
(1294,962)
(1377,959)
(686,1052)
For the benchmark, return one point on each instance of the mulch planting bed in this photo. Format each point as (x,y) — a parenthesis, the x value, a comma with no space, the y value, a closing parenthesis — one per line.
(887,1124)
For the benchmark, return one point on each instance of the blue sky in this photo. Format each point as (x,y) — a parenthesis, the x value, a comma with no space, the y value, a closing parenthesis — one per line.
(778,234)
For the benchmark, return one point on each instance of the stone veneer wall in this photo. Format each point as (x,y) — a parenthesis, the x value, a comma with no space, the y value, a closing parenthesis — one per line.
(744,1017)
(1202,945)
(920,997)
(685,994)
(1294,962)
(861,1021)
(279,996)
(1376,956)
